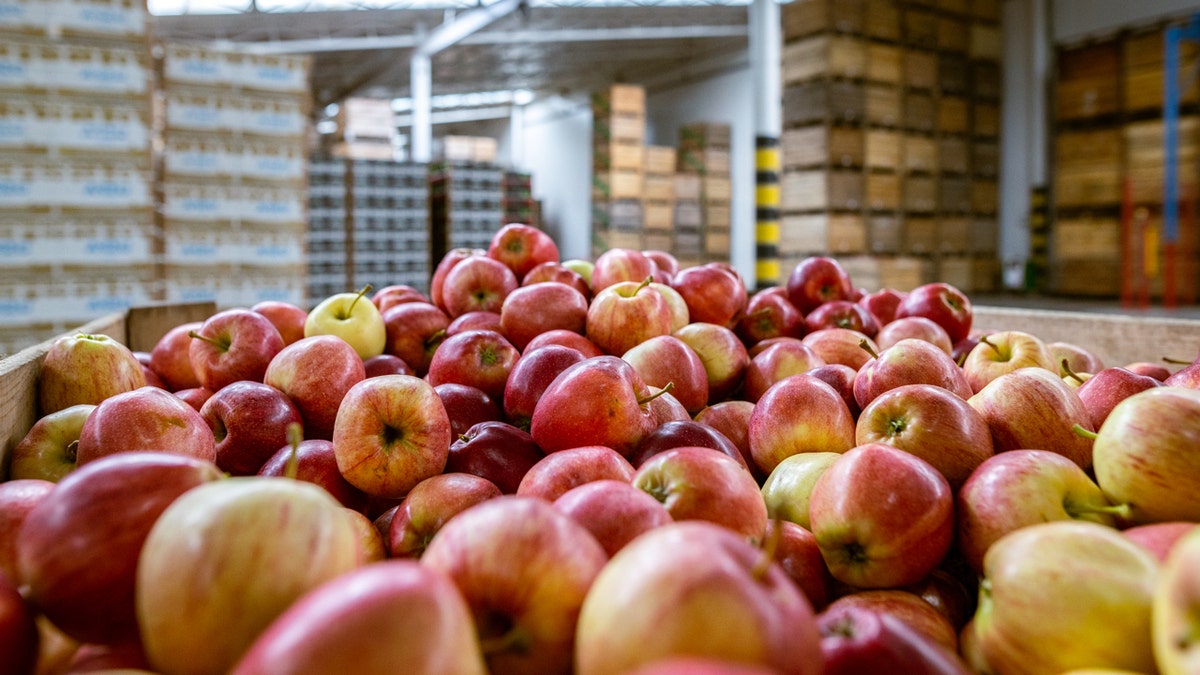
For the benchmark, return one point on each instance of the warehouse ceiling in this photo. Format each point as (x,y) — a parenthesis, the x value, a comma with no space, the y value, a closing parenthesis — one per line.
(546,49)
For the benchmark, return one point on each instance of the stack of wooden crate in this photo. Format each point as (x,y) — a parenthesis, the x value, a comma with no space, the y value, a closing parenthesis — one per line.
(618,166)
(658,198)
(704,151)
(880,149)
(688,219)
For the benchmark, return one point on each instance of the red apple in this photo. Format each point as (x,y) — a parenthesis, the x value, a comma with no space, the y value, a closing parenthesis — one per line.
(619,264)
(614,511)
(840,377)
(769,315)
(467,406)
(315,373)
(909,608)
(560,471)
(48,450)
(195,397)
(1034,408)
(537,308)
(817,280)
(683,433)
(82,368)
(798,554)
(566,338)
(780,360)
(1155,370)
(798,414)
(391,433)
(841,314)
(522,247)
(1079,359)
(477,283)
(732,419)
(556,271)
(1159,538)
(713,294)
(414,331)
(667,359)
(1101,392)
(479,358)
(152,378)
(944,303)
(841,345)
(169,357)
(386,364)
(18,632)
(249,421)
(396,294)
(666,408)
(680,316)
(145,419)
(883,303)
(917,327)
(909,361)
(18,496)
(448,261)
(724,357)
(861,640)
(287,318)
(625,314)
(430,505)
(316,463)
(124,657)
(699,483)
(475,320)
(663,260)
(497,451)
(598,401)
(530,375)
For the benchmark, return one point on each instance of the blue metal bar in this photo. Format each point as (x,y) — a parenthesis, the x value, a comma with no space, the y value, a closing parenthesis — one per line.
(1175,34)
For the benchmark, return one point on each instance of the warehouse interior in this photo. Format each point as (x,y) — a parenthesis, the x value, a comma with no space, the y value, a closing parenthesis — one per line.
(241,150)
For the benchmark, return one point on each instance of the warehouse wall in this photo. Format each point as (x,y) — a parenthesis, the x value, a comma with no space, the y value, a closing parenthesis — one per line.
(558,155)
(1078,19)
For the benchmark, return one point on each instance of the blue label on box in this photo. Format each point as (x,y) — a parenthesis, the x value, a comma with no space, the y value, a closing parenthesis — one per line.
(107,190)
(15,307)
(15,248)
(108,246)
(103,16)
(105,305)
(104,133)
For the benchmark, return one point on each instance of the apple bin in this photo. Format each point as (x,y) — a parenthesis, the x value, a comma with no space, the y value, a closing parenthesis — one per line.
(677,495)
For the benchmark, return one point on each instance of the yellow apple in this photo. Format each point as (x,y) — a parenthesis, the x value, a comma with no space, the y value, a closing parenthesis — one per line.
(351,317)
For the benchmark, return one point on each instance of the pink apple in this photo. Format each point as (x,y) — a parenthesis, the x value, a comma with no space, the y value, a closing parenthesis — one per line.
(841,345)
(287,318)
(152,377)
(625,314)
(314,461)
(396,294)
(598,401)
(619,264)
(145,419)
(249,421)
(909,361)
(732,419)
(917,327)
(699,483)
(663,260)
(614,511)
(775,363)
(537,308)
(566,338)
(170,359)
(479,358)
(414,331)
(18,496)
(556,271)
(1101,392)
(841,314)
(798,554)
(560,471)
(315,373)
(667,359)
(883,304)
(945,304)
(430,505)
(477,283)
(194,397)
(1159,538)
(1034,408)
(909,608)
(798,414)
(712,294)
(817,280)
(1155,370)
(724,357)
(840,377)
(443,267)
(522,247)
(475,320)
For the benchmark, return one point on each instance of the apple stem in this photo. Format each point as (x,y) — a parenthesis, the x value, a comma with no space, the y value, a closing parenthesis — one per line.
(1177,362)
(219,344)
(984,340)
(1122,511)
(1080,430)
(365,289)
(515,640)
(645,283)
(867,346)
(1066,366)
(73,451)
(770,546)
(294,435)
(666,388)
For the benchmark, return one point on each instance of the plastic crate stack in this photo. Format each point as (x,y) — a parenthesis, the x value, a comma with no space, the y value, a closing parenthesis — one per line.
(234,175)
(76,206)
(519,204)
(389,223)
(326,239)
(466,206)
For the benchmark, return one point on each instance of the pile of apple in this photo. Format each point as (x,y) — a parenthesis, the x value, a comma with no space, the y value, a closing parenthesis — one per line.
(608,466)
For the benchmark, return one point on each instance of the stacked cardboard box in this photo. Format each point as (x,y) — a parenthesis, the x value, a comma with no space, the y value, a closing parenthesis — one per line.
(76,205)
(618,166)
(366,129)
(234,193)
(704,150)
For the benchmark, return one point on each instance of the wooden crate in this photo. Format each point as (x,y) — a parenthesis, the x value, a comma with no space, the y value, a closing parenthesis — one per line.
(823,233)
(608,185)
(953,115)
(704,136)
(985,80)
(882,21)
(805,17)
(954,154)
(703,161)
(1086,278)
(716,242)
(952,34)
(885,63)
(1098,186)
(920,111)
(920,153)
(658,215)
(822,145)
(954,194)
(985,159)
(688,215)
(1086,238)
(985,42)
(883,191)
(620,99)
(920,235)
(883,105)
(618,155)
(1143,143)
(920,69)
(985,274)
(985,119)
(826,101)
(904,273)
(619,128)
(1142,90)
(660,160)
(920,194)
(603,240)
(952,75)
(716,188)
(658,187)
(984,235)
(920,27)
(885,233)
(1086,98)
(821,190)
(955,7)
(987,10)
(984,196)
(618,214)
(686,187)
(827,55)
(1089,148)
(717,214)
(956,270)
(658,240)
(883,147)
(954,234)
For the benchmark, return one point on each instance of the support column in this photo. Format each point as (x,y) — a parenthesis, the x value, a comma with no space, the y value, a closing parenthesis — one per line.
(765,54)
(421,142)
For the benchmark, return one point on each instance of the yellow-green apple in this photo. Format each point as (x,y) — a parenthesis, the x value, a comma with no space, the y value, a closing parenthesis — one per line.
(909,361)
(438,279)
(931,423)
(583,268)
(231,346)
(625,314)
(797,553)
(315,373)
(396,294)
(663,260)
(48,450)
(598,401)
(614,511)
(77,549)
(712,293)
(841,314)
(732,419)
(391,433)
(560,471)
(1079,359)
(18,631)
(414,331)
(195,397)
(667,359)
(680,316)
(85,368)
(18,496)
(840,377)
(556,271)
(497,451)
(780,360)
(534,370)
(524,568)
(816,280)
(287,318)
(619,264)
(684,432)
(724,357)
(1101,392)
(480,358)
(1159,538)
(883,304)
(769,314)
(249,421)
(148,418)
(906,606)
(169,357)
(430,505)
(700,483)
(788,488)
(1022,487)
(467,406)
(798,414)
(536,308)
(917,327)
(371,620)
(841,345)
(477,284)
(351,317)
(314,461)
(1155,370)
(1145,455)
(695,589)
(522,247)
(1034,408)
(386,364)
(883,517)
(860,639)
(226,558)
(1066,594)
(566,338)
(1004,352)
(1173,623)
(944,303)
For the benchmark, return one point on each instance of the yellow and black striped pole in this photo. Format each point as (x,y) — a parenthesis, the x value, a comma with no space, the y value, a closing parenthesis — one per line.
(766,211)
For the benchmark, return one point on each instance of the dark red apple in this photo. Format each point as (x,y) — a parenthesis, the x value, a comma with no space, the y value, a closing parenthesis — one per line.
(480,358)
(467,406)
(556,271)
(386,364)
(680,433)
(287,318)
(530,375)
(18,631)
(817,280)
(448,261)
(841,314)
(249,421)
(536,308)
(560,471)
(565,338)
(315,463)
(522,247)
(944,303)
(414,331)
(712,293)
(233,345)
(497,451)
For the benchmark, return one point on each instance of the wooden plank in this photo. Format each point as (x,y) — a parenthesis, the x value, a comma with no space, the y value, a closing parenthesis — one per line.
(883,149)
(1086,237)
(883,191)
(883,104)
(822,145)
(823,233)
(805,17)
(828,55)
